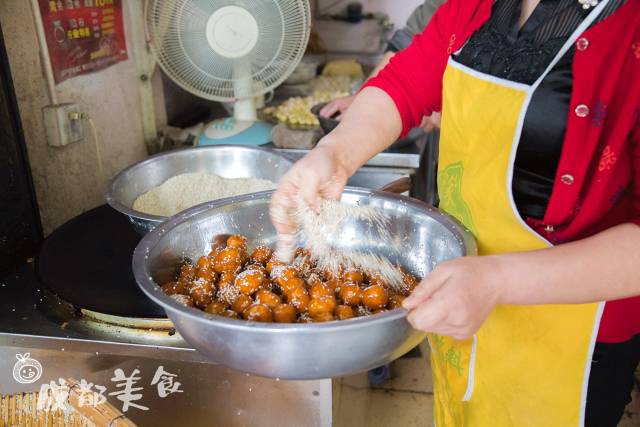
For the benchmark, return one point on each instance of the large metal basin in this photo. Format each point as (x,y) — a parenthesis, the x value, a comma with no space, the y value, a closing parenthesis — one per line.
(228,161)
(297,351)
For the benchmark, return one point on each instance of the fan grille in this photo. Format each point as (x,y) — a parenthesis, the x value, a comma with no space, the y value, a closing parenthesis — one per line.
(177,30)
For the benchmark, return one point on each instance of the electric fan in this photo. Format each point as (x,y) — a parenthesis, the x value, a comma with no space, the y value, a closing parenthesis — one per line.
(229,51)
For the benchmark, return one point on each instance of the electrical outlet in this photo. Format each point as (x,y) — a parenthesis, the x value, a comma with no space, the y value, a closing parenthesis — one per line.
(63,124)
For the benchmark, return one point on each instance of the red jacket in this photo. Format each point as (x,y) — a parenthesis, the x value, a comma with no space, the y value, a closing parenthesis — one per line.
(598,181)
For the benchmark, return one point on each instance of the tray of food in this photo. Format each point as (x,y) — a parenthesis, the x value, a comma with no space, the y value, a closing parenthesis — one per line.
(163,185)
(211,268)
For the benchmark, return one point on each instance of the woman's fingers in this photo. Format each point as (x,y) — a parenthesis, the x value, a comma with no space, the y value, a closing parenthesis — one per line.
(425,290)
(428,317)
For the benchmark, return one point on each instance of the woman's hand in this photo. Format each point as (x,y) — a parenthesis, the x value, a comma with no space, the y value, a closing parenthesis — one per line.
(456,297)
(318,175)
(337,106)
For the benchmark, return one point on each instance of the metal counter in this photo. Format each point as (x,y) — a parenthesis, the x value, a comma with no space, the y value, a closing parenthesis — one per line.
(211,394)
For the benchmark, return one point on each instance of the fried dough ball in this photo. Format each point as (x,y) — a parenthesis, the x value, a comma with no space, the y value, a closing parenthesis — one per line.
(292,284)
(215,307)
(335,285)
(323,317)
(228,259)
(284,313)
(344,312)
(183,299)
(257,267)
(299,298)
(202,292)
(250,281)
(273,263)
(173,288)
(319,290)
(241,304)
(376,280)
(228,292)
(204,270)
(230,314)
(351,294)
(395,301)
(187,273)
(227,277)
(375,297)
(261,255)
(354,276)
(237,241)
(268,298)
(215,250)
(281,274)
(318,306)
(258,313)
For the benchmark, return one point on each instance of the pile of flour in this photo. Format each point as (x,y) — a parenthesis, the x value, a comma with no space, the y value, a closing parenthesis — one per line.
(184,191)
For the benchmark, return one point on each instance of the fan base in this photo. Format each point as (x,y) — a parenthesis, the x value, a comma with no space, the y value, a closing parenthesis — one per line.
(236,132)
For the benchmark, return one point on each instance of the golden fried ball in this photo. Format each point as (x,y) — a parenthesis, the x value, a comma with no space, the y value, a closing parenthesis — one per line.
(273,263)
(375,297)
(215,307)
(376,279)
(268,298)
(351,294)
(318,306)
(237,241)
(323,317)
(284,313)
(344,312)
(228,259)
(183,299)
(299,298)
(173,288)
(258,313)
(291,284)
(202,292)
(242,303)
(354,276)
(230,314)
(227,277)
(187,273)
(257,267)
(319,290)
(261,255)
(250,281)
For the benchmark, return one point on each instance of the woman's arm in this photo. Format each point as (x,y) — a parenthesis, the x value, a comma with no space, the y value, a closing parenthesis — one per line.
(458,295)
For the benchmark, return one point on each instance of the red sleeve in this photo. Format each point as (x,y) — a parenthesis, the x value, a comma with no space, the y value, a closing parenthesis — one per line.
(635,140)
(413,78)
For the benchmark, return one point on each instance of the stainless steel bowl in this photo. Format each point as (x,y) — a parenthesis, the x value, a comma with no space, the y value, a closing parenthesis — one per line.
(297,351)
(228,161)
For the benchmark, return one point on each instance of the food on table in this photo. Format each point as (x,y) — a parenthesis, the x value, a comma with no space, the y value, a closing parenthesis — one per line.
(296,111)
(233,282)
(190,189)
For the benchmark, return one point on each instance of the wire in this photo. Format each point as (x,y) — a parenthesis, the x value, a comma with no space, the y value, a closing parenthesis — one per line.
(96,141)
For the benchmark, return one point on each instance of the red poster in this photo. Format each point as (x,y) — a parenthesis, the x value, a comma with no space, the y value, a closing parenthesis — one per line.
(83,35)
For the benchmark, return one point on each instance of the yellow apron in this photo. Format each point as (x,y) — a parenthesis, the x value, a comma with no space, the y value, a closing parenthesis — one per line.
(526,366)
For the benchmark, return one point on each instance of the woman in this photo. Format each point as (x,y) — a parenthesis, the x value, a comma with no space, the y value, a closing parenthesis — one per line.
(540,159)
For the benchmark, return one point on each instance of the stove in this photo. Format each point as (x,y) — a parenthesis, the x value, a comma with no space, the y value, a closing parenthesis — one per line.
(77,311)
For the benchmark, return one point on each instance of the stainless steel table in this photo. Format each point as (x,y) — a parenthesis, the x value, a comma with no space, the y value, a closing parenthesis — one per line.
(211,394)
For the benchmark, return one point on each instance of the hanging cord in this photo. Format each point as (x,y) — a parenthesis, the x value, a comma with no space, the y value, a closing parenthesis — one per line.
(96,140)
